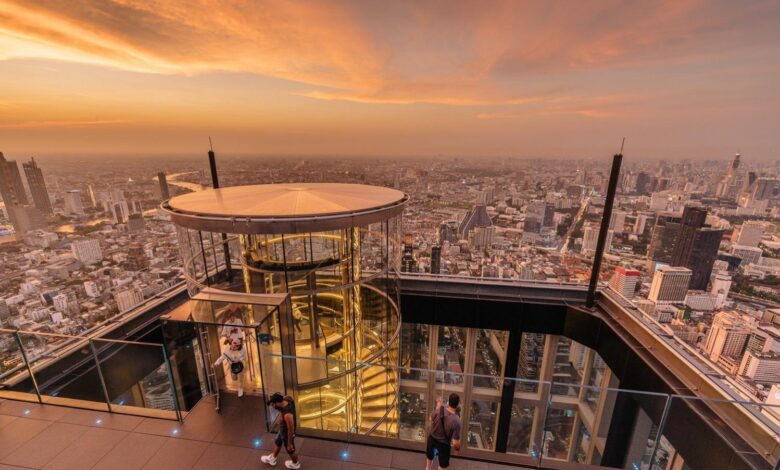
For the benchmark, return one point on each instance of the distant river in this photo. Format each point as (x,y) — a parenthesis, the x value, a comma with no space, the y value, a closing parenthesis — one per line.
(70,228)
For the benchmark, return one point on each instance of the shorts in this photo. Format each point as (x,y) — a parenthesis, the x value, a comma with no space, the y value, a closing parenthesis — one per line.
(441,449)
(281,441)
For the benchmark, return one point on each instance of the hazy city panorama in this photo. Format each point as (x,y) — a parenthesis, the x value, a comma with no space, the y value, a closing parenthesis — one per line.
(389,235)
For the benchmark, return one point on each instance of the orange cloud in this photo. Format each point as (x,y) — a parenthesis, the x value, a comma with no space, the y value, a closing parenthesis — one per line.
(454,53)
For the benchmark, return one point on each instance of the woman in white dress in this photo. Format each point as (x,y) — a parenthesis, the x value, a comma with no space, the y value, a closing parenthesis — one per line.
(234,355)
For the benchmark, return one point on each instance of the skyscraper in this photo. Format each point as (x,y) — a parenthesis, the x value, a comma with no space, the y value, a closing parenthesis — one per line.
(728,336)
(665,233)
(73,204)
(436,259)
(165,192)
(670,284)
(37,186)
(11,187)
(696,247)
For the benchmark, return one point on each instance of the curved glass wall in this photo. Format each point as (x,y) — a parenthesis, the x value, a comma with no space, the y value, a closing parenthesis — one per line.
(344,298)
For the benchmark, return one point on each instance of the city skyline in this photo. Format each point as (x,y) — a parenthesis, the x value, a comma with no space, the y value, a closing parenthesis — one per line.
(683,80)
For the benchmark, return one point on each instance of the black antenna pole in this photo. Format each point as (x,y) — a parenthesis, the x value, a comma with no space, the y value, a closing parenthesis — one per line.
(605,219)
(213,165)
(215,185)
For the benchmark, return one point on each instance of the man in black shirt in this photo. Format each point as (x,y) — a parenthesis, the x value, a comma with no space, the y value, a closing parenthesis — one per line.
(286,437)
(445,432)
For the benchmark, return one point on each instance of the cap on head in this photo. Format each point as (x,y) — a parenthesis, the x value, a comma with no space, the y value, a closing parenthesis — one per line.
(276,398)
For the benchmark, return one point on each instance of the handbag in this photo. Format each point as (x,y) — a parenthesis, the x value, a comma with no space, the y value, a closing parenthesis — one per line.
(235,367)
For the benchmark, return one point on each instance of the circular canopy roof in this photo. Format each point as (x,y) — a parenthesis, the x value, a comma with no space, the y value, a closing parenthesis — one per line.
(285,208)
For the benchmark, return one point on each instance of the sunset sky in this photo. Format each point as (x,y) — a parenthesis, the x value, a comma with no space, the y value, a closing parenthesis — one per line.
(681,78)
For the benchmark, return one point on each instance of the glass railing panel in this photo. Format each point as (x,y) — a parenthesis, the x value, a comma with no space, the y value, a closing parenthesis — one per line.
(15,380)
(527,417)
(65,370)
(754,424)
(138,379)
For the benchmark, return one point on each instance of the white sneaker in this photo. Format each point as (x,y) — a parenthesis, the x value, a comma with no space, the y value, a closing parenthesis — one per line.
(269,459)
(240,392)
(292,465)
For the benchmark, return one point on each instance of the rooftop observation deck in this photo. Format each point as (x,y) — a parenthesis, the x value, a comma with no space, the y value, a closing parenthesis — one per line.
(705,420)
(34,436)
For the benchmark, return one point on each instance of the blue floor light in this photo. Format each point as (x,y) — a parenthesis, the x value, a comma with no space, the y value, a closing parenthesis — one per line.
(257,443)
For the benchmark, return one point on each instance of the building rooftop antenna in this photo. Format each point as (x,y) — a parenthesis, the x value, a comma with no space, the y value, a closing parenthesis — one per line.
(211,147)
(621,145)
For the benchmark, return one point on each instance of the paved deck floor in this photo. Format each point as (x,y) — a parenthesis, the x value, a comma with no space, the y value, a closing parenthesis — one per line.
(50,437)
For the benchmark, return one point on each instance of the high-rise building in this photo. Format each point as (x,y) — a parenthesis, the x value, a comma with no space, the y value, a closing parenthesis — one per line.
(448,231)
(760,367)
(728,336)
(128,298)
(135,222)
(670,284)
(37,186)
(665,233)
(640,224)
(750,233)
(734,165)
(766,188)
(590,239)
(435,259)
(26,218)
(721,284)
(73,204)
(120,212)
(642,182)
(165,192)
(136,258)
(87,250)
(408,261)
(92,289)
(624,281)
(617,220)
(478,217)
(696,247)
(11,186)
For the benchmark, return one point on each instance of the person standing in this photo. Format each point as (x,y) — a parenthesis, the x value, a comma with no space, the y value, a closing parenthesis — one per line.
(286,408)
(445,432)
(233,326)
(235,355)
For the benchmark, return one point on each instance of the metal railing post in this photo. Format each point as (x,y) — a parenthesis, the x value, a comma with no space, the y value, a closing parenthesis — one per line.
(29,367)
(173,383)
(661,426)
(100,375)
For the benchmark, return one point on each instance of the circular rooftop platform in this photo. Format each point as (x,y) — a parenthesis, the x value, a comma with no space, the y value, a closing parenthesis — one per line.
(285,208)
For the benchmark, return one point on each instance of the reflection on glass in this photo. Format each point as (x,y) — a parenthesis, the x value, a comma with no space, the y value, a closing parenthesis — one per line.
(414,351)
(595,379)
(413,411)
(583,442)
(490,357)
(530,363)
(520,428)
(558,431)
(482,424)
(451,355)
(569,362)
